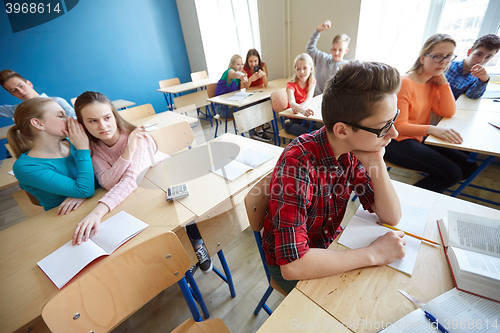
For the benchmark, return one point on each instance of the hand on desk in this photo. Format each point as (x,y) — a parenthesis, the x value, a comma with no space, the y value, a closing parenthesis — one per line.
(300,109)
(91,221)
(69,205)
(388,248)
(446,134)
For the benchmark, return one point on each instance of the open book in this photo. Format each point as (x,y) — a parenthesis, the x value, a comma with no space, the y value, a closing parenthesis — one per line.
(456,311)
(472,246)
(233,168)
(363,229)
(240,95)
(65,262)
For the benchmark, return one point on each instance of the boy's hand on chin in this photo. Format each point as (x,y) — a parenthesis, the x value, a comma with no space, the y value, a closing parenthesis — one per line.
(370,158)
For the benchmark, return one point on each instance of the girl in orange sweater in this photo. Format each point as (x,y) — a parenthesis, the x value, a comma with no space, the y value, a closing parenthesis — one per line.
(425,88)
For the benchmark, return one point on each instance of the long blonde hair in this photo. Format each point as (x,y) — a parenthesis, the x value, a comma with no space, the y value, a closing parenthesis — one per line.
(309,61)
(21,135)
(427,48)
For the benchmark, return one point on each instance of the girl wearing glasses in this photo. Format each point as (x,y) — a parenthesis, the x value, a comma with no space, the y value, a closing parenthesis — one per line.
(425,88)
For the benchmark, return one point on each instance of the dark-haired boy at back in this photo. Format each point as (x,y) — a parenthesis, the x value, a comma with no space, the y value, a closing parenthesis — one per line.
(469,75)
(314,177)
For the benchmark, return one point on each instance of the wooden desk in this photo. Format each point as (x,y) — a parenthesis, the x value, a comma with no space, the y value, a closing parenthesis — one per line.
(170,92)
(122,104)
(478,137)
(7,179)
(4,130)
(25,288)
(206,189)
(368,296)
(164,119)
(480,104)
(298,312)
(189,85)
(315,106)
(260,94)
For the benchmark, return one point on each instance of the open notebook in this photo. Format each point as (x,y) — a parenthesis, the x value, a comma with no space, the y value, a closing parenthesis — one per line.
(65,262)
(363,229)
(233,168)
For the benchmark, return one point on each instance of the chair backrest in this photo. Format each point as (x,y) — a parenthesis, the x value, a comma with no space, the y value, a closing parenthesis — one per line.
(197,76)
(137,112)
(170,82)
(173,138)
(256,203)
(279,100)
(211,90)
(119,285)
(28,203)
(73,100)
(198,98)
(254,116)
(186,108)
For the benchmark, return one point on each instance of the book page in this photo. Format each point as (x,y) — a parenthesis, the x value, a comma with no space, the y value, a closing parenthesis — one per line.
(252,157)
(474,233)
(65,262)
(117,230)
(230,169)
(362,230)
(476,263)
(239,96)
(457,311)
(361,233)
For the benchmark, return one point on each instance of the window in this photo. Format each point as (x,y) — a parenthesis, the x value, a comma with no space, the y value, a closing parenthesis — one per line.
(393,31)
(227,27)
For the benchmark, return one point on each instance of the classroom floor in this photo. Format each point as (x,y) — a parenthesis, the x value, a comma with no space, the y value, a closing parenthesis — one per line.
(168,309)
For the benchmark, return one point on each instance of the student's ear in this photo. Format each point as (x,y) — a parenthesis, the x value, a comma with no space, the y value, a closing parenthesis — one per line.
(36,123)
(422,57)
(340,130)
(346,50)
(28,82)
(469,51)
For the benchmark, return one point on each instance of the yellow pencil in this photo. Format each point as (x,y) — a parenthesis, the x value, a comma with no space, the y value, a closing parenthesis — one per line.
(407,233)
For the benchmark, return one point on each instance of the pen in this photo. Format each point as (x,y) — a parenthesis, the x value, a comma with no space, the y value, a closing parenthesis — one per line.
(433,320)
(407,233)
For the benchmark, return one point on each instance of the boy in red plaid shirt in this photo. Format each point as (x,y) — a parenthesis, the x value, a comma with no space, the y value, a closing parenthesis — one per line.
(315,175)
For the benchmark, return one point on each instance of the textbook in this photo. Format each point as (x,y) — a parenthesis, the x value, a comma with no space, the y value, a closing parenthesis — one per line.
(456,311)
(472,247)
(363,229)
(233,168)
(240,95)
(64,263)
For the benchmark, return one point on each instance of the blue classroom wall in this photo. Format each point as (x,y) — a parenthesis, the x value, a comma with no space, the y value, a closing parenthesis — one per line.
(121,48)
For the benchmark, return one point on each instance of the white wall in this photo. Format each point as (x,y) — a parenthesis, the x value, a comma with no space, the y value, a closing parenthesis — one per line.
(298,19)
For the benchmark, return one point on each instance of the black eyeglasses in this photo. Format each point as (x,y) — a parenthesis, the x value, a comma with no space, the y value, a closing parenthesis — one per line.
(439,58)
(379,132)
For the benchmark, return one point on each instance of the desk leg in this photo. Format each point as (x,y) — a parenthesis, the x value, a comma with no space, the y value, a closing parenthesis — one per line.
(311,126)
(466,182)
(227,278)
(227,111)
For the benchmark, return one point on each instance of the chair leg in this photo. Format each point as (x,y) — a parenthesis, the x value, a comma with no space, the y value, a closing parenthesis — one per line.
(262,304)
(189,299)
(227,278)
(197,294)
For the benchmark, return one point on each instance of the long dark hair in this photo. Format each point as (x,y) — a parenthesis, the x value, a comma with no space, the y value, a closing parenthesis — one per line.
(253,52)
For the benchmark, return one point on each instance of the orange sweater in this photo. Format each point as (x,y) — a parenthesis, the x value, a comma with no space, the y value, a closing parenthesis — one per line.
(415,102)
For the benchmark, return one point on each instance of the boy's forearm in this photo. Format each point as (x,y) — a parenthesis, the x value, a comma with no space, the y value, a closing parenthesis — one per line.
(317,263)
(386,203)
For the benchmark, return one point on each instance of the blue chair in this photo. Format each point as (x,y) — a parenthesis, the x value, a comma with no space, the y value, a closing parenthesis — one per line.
(256,206)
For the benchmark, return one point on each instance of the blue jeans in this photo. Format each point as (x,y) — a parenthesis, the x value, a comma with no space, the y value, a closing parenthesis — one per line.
(220,109)
(445,167)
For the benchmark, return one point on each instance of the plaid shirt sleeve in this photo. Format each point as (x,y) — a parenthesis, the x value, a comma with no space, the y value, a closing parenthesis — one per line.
(477,89)
(290,195)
